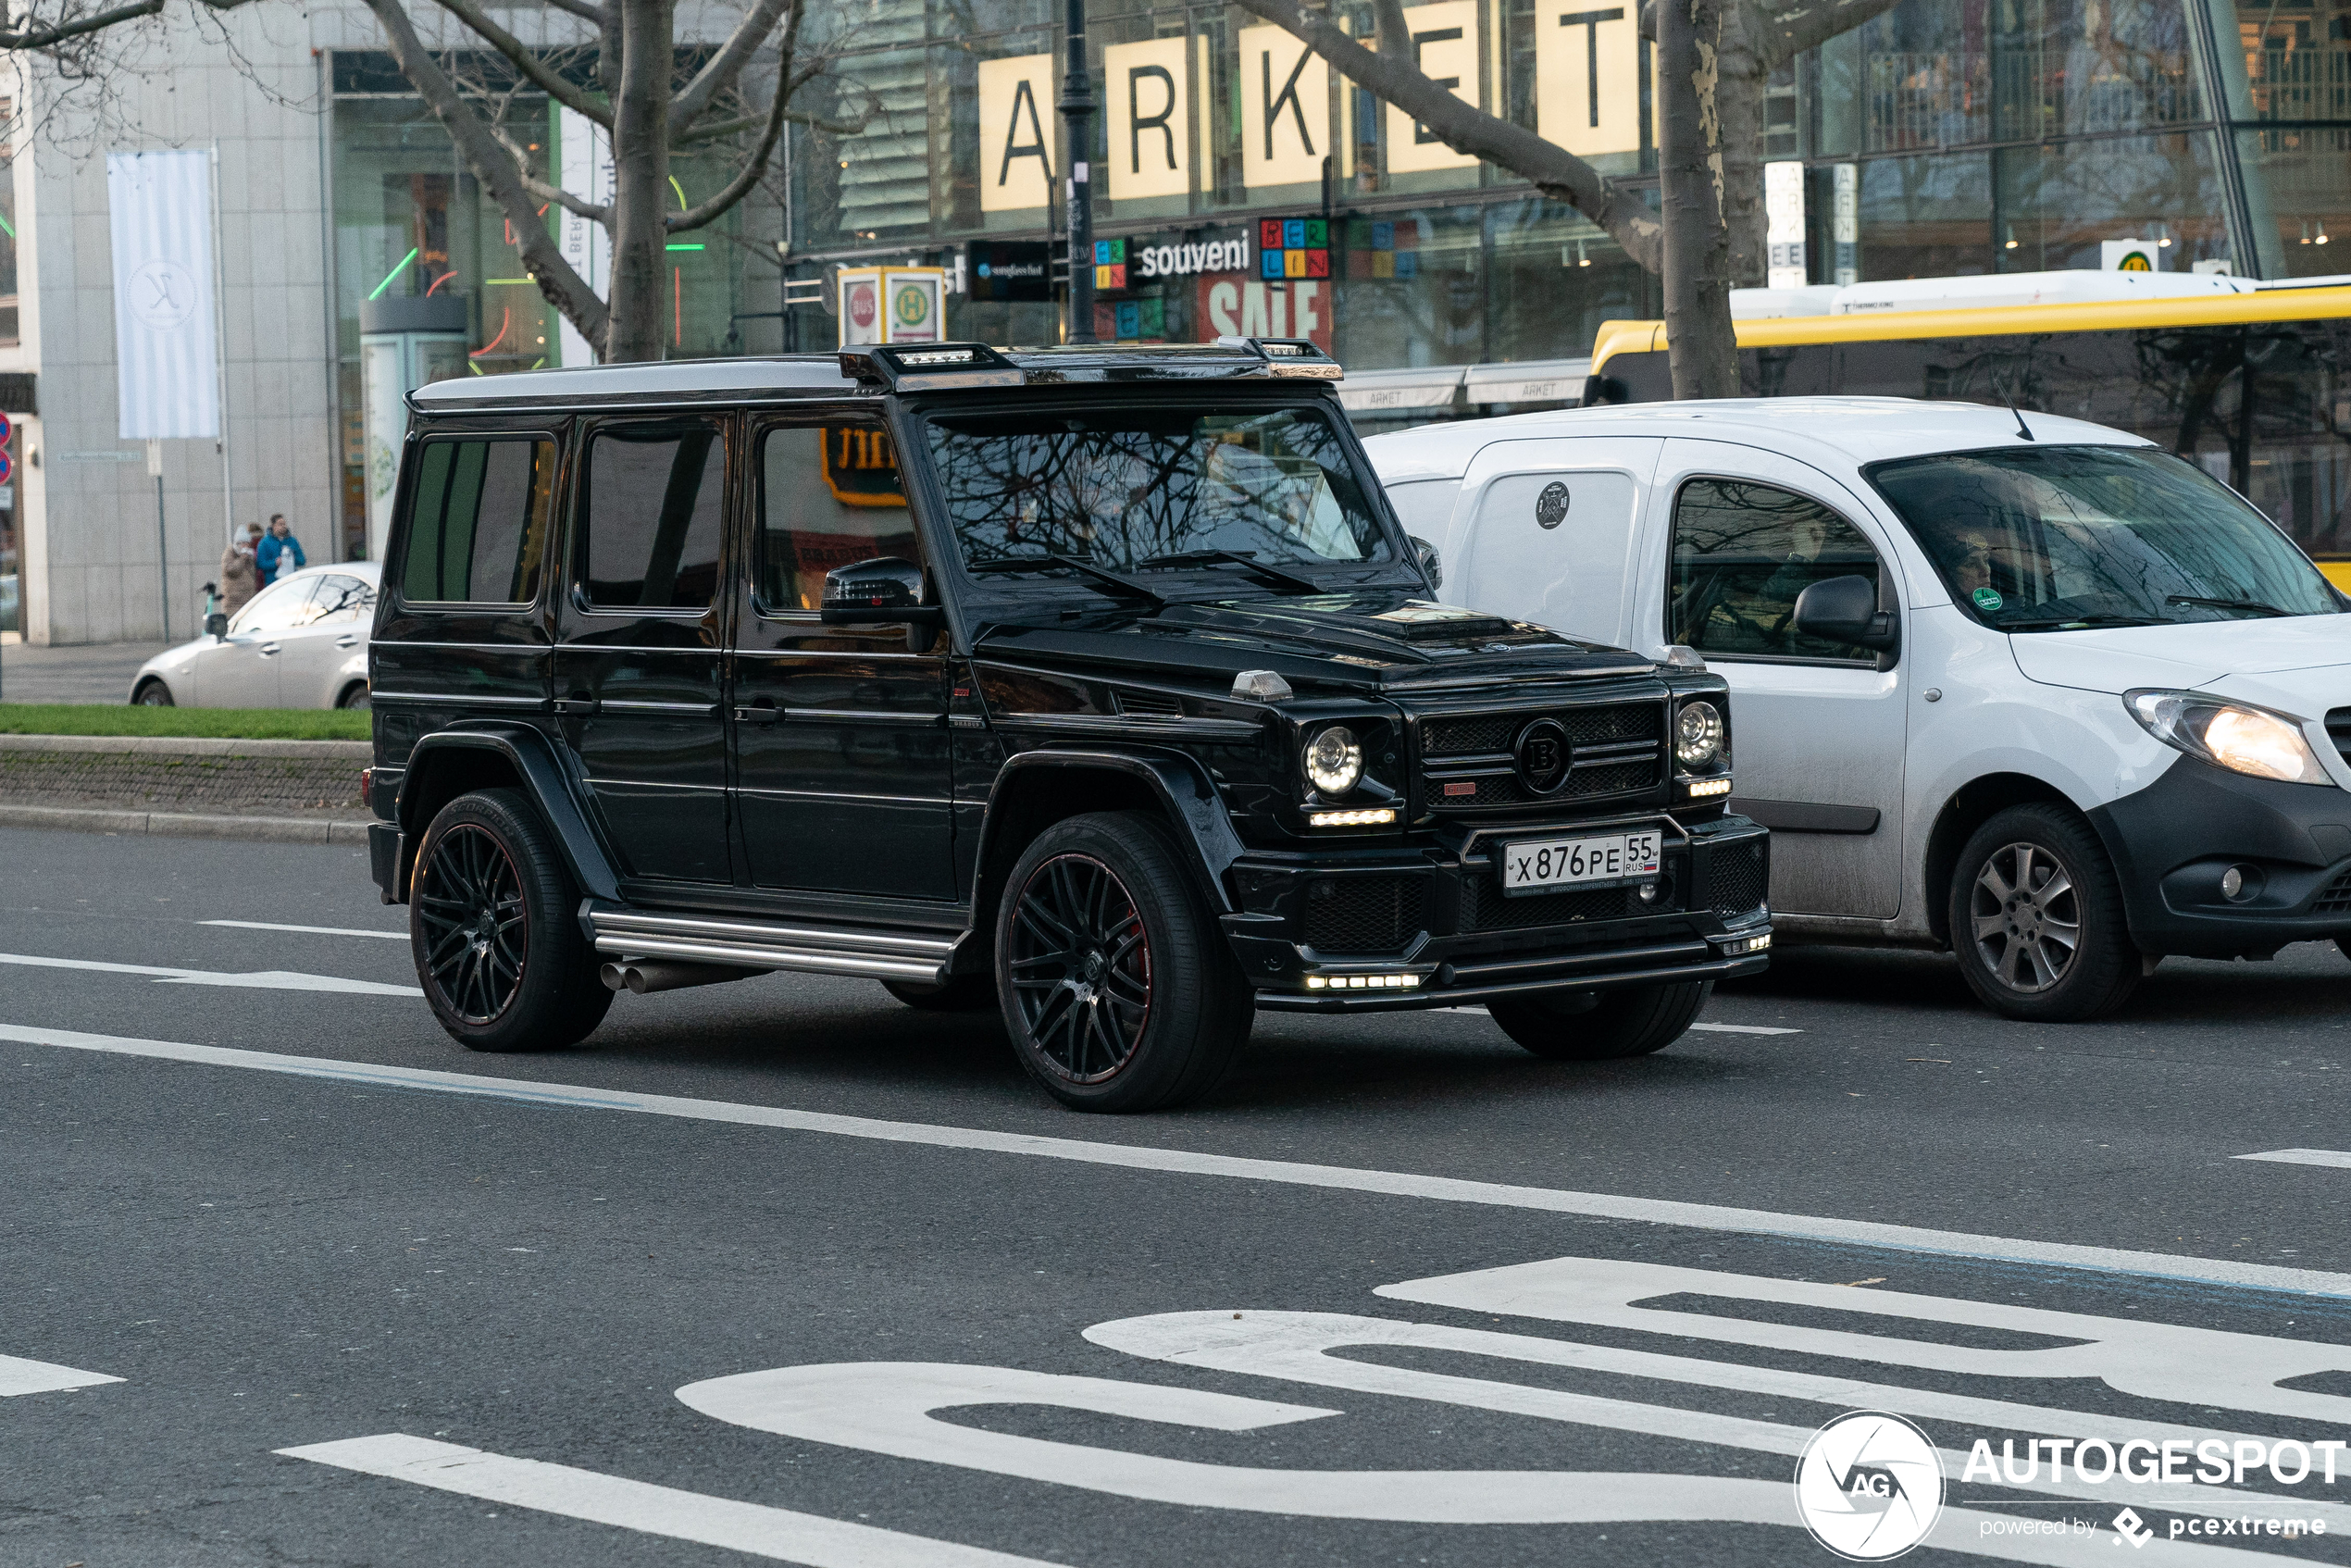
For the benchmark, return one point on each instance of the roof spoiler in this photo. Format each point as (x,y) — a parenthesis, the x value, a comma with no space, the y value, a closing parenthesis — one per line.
(923,367)
(1289,356)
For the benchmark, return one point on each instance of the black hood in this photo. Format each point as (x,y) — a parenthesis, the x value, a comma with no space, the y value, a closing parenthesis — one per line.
(1381,639)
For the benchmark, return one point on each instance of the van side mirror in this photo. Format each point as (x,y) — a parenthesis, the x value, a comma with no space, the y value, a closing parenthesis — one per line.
(1844,609)
(216,626)
(1432,567)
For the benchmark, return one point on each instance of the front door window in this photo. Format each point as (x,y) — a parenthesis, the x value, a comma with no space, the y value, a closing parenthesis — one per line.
(1742,553)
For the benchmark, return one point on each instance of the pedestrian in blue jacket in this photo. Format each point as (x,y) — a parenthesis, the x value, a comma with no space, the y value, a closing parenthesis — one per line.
(281,552)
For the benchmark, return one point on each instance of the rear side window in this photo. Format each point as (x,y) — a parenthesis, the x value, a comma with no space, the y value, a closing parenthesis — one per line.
(1742,553)
(827,497)
(653,517)
(478,529)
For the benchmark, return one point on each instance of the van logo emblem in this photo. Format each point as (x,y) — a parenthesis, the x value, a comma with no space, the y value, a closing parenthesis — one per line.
(1543,756)
(1550,507)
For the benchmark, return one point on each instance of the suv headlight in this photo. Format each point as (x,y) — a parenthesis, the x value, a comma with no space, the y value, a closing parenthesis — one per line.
(1698,735)
(1333,761)
(2232,735)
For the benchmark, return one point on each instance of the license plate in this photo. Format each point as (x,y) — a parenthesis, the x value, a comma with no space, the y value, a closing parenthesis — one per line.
(1534,865)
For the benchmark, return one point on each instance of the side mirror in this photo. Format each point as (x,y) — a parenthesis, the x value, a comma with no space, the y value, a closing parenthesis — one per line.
(1432,567)
(1844,609)
(216,626)
(887,588)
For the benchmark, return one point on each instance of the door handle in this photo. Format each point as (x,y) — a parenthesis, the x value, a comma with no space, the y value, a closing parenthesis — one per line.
(577,703)
(347,641)
(763,712)
(268,649)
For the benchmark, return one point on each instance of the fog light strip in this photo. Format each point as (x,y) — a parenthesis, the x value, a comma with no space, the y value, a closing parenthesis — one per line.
(1376,817)
(1362,982)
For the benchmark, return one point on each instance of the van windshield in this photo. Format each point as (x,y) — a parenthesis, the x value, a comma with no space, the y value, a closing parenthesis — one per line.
(2055,538)
(1126,488)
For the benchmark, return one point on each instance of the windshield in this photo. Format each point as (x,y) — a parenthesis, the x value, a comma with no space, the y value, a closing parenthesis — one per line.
(2039,539)
(1126,489)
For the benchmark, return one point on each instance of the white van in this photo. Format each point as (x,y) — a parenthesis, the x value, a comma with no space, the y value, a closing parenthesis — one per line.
(2028,688)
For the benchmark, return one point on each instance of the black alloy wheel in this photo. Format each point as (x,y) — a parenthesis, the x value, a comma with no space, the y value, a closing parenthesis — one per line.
(2036,918)
(502,960)
(1081,967)
(1117,986)
(477,933)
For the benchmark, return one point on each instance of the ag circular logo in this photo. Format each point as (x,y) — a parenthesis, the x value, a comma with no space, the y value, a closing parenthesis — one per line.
(1543,756)
(163,295)
(1550,507)
(1869,1487)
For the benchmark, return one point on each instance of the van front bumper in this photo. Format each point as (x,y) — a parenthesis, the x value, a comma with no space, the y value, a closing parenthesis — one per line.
(2173,842)
(1399,929)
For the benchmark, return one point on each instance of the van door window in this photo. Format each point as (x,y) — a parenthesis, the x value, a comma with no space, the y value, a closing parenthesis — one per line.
(828,496)
(656,499)
(1742,553)
(479,528)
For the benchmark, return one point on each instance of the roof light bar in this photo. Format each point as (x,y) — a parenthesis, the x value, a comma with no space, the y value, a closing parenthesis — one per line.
(907,368)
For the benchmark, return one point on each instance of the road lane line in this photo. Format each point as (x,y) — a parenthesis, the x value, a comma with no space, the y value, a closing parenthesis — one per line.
(1347,1179)
(2335,1157)
(20,1376)
(259,979)
(778,1533)
(312,930)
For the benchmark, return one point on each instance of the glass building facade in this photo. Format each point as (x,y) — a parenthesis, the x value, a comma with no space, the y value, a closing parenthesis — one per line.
(1241,186)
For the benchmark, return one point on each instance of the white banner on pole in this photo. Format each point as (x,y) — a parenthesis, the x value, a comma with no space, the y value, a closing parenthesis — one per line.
(160,209)
(584,152)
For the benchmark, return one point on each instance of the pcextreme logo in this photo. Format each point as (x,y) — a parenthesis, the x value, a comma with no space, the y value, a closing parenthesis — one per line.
(1869,1487)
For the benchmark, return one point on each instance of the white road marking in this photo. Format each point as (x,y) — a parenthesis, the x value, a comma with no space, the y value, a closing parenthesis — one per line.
(2335,1157)
(259,979)
(1711,1028)
(312,930)
(20,1376)
(1345,1179)
(778,1533)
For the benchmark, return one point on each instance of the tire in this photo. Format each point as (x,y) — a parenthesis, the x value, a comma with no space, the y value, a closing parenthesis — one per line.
(963,993)
(1116,985)
(528,982)
(1602,1025)
(355,696)
(152,694)
(2038,922)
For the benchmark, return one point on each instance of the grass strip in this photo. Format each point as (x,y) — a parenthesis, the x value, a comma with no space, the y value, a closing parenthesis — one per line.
(222,724)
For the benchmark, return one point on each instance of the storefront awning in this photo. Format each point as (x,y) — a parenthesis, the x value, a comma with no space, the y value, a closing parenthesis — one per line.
(1531,380)
(1412,390)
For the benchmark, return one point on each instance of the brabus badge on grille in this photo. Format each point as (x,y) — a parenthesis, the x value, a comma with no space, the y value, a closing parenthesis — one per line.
(1543,756)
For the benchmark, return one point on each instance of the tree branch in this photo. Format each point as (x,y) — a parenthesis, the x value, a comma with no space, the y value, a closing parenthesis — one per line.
(719,72)
(745,178)
(526,59)
(582,9)
(32,37)
(1784,30)
(1391,77)
(562,287)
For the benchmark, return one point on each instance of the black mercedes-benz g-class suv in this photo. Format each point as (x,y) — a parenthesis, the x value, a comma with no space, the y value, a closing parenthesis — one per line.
(1097,687)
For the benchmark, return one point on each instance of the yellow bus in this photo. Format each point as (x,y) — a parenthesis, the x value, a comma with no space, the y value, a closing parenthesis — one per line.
(2254,387)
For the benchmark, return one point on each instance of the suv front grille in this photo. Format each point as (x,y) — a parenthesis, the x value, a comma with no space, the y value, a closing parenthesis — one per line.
(1363,914)
(1485,909)
(1736,877)
(1618,749)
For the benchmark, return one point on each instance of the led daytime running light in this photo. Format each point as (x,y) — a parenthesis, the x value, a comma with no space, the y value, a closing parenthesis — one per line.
(1363,982)
(1699,788)
(1375,816)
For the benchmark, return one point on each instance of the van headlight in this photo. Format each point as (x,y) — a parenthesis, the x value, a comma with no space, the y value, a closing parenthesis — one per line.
(1698,735)
(2232,735)
(1333,761)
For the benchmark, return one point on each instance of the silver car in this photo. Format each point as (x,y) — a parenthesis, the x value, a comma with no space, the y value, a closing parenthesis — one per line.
(301,643)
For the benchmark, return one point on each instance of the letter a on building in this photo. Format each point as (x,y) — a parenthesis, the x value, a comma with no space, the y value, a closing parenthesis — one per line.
(1016,118)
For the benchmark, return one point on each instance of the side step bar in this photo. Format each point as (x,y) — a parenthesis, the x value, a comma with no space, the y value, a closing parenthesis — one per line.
(758,944)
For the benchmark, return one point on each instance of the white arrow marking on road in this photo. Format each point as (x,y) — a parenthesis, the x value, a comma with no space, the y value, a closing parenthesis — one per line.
(260,979)
(1291,1173)
(778,1533)
(20,1376)
(2335,1157)
(310,931)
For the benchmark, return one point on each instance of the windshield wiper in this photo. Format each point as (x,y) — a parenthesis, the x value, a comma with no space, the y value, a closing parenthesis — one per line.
(1289,581)
(1109,580)
(2197,599)
(2047,621)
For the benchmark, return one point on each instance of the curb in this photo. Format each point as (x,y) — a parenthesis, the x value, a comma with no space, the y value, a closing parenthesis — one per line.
(360,752)
(186,824)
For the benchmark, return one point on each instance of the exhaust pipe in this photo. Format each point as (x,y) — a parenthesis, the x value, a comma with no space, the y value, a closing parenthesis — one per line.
(639,975)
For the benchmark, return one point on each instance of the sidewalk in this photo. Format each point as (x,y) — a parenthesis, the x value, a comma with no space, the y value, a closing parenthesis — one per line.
(97,672)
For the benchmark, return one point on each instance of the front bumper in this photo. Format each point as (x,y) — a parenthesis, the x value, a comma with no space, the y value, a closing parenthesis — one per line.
(2172,841)
(1399,929)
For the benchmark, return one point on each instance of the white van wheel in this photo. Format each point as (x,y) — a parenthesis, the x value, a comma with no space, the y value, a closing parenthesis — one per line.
(2036,918)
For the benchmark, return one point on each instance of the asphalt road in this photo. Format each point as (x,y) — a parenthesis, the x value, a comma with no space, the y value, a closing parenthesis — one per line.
(783,1270)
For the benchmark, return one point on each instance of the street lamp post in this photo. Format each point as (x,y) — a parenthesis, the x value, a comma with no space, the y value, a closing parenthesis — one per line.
(1078,120)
